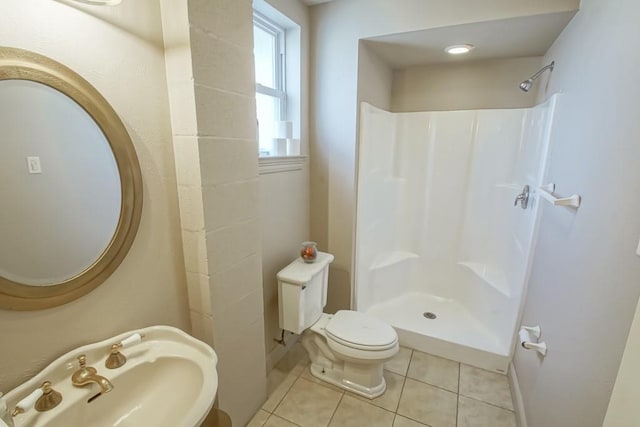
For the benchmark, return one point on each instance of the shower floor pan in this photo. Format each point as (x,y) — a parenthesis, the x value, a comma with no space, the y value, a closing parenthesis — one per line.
(454,334)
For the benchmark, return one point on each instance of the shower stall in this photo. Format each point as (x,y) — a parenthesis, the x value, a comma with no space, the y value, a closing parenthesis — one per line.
(441,252)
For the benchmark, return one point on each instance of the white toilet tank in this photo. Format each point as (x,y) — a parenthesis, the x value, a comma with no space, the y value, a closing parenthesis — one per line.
(302,292)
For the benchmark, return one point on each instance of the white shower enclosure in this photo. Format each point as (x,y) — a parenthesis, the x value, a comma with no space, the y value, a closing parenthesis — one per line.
(441,252)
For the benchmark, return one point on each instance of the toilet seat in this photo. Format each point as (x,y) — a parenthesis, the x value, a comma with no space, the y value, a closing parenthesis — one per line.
(358,331)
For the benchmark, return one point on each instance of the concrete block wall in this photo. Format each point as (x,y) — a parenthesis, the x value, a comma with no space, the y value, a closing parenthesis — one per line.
(209,54)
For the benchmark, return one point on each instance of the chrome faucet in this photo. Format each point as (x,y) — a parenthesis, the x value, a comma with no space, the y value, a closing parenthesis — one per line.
(89,375)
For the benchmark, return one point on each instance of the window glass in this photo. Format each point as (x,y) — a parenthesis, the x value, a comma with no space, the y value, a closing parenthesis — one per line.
(265,54)
(268,109)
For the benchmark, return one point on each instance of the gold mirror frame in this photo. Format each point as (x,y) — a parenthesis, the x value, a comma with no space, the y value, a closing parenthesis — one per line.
(18,64)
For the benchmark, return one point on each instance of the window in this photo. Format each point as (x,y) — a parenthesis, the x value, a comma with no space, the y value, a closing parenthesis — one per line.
(271,96)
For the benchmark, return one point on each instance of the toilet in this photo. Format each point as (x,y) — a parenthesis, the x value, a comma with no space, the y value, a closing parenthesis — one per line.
(347,349)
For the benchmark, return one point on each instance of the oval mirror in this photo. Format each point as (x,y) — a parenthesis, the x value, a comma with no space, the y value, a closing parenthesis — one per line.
(70,183)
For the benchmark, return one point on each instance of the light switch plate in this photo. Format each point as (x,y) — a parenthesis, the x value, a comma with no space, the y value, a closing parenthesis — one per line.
(33,164)
(638,249)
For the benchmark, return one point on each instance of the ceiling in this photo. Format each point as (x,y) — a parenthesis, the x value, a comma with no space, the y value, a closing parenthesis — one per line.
(499,39)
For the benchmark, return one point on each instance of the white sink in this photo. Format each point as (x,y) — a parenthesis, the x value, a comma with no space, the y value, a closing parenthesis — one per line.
(169,379)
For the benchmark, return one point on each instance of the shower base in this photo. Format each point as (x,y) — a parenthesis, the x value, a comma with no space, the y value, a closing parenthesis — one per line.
(454,334)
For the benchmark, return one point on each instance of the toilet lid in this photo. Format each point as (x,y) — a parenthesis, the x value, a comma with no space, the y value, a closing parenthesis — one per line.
(359,330)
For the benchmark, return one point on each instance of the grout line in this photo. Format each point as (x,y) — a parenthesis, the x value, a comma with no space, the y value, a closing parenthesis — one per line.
(267,419)
(336,410)
(404,381)
(432,385)
(417,421)
(406,371)
(429,384)
(488,403)
(284,395)
(282,418)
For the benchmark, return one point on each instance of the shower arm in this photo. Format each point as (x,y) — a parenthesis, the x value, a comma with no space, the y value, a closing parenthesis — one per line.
(542,70)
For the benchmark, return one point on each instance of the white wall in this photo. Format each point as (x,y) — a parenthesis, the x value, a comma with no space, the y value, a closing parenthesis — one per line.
(336,30)
(119,50)
(585,280)
(464,86)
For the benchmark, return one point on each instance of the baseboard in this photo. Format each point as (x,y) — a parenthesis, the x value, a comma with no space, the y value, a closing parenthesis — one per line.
(518,402)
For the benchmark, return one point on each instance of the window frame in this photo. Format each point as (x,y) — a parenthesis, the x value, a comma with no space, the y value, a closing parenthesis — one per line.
(279,60)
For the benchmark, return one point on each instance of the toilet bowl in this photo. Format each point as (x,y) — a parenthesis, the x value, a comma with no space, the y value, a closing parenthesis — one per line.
(347,349)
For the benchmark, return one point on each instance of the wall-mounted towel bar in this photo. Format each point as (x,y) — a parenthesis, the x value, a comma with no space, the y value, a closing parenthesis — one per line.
(546,192)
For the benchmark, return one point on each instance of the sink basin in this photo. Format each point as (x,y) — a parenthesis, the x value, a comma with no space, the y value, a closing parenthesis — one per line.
(169,379)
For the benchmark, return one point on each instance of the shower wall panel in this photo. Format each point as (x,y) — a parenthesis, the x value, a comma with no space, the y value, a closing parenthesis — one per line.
(436,211)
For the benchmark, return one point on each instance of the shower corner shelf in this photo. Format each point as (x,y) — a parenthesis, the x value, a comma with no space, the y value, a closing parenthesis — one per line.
(388,259)
(546,192)
(493,277)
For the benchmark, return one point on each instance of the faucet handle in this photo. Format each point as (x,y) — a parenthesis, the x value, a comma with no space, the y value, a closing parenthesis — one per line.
(82,360)
(27,403)
(115,359)
(49,399)
(43,398)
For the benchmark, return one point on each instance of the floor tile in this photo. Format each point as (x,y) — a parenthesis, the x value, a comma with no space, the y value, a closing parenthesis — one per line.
(391,397)
(434,370)
(485,386)
(428,404)
(353,412)
(417,395)
(401,421)
(472,413)
(278,384)
(276,421)
(400,361)
(259,419)
(308,404)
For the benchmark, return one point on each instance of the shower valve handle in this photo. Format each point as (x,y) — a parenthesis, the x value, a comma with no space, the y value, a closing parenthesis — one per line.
(523,198)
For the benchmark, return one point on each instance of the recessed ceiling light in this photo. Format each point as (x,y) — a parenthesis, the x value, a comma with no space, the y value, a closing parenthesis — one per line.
(459,49)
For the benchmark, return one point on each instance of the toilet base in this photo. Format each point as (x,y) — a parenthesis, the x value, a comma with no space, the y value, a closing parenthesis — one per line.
(363,377)
(336,377)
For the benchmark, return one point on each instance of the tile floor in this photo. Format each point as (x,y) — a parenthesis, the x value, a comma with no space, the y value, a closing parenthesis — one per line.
(422,390)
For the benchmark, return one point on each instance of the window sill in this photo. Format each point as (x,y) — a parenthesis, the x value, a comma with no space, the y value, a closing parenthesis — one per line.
(276,164)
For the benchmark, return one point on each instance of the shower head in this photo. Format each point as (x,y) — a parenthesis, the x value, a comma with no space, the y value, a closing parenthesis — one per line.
(526,84)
